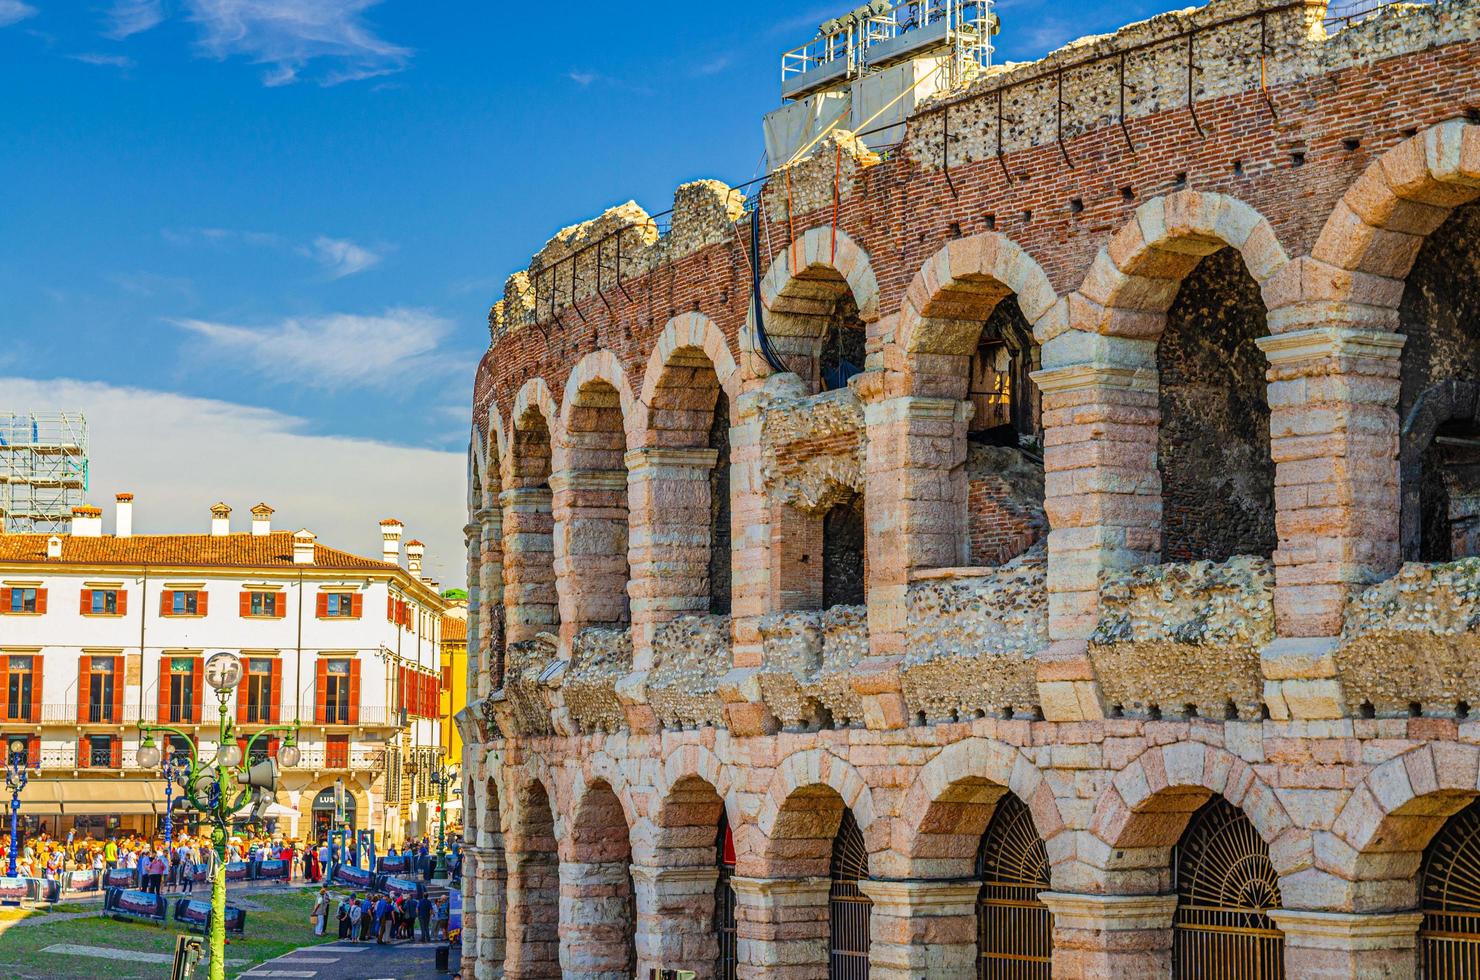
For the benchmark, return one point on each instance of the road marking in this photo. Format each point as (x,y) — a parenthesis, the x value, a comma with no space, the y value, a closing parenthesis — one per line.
(109,953)
(310,959)
(281,973)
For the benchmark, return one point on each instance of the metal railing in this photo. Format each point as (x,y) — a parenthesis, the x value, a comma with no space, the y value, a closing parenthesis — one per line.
(1345,13)
(864,38)
(356,760)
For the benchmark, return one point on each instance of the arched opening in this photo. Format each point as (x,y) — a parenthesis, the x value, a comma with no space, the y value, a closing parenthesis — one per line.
(529,559)
(1014,929)
(841,354)
(591,512)
(1006,405)
(1226,886)
(532,913)
(1440,374)
(598,911)
(815,327)
(849,909)
(719,507)
(1449,889)
(1213,451)
(725,925)
(492,636)
(844,554)
(489,889)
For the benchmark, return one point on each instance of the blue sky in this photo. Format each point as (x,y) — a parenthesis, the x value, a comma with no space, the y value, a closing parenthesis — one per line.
(303,208)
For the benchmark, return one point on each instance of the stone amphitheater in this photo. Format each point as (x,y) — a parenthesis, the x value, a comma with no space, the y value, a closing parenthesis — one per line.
(1045,545)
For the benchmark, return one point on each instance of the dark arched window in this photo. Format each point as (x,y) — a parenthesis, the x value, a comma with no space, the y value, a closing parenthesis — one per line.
(1449,939)
(724,902)
(848,906)
(1014,931)
(1226,886)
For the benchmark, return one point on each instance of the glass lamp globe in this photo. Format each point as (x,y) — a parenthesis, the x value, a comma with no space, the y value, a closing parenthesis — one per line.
(148,755)
(288,756)
(230,755)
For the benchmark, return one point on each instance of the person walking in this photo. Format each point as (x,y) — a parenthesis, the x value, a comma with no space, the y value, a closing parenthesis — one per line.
(382,916)
(321,912)
(424,915)
(187,875)
(367,918)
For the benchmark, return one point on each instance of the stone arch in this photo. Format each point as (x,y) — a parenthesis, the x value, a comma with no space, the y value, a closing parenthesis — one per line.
(1445,402)
(800,293)
(532,913)
(693,762)
(1142,814)
(684,337)
(598,912)
(497,443)
(1372,236)
(536,416)
(477,469)
(596,372)
(689,898)
(362,801)
(800,813)
(947,808)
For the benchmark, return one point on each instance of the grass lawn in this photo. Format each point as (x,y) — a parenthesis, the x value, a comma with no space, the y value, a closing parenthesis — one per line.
(283,927)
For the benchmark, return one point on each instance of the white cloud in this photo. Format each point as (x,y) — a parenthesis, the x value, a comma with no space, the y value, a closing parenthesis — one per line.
(127,17)
(104,60)
(287,35)
(336,349)
(13,11)
(342,257)
(181,454)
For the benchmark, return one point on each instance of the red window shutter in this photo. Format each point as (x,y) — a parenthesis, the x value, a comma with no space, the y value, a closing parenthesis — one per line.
(164,689)
(118,690)
(4,600)
(200,602)
(436,698)
(321,605)
(4,686)
(354,692)
(241,743)
(36,686)
(197,673)
(85,605)
(243,698)
(280,605)
(40,601)
(115,753)
(84,757)
(275,710)
(122,602)
(84,689)
(321,691)
(166,602)
(245,603)
(33,751)
(356,605)
(390,606)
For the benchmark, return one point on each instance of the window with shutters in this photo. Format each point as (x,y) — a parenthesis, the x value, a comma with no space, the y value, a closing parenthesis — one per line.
(102,602)
(337,692)
(99,752)
(336,752)
(339,605)
(265,604)
(260,693)
(19,687)
(181,681)
(24,601)
(101,681)
(184,604)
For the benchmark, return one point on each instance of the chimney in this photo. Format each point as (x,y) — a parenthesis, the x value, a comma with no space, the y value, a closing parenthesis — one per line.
(87,521)
(303,543)
(54,547)
(261,520)
(390,533)
(414,550)
(123,520)
(220,520)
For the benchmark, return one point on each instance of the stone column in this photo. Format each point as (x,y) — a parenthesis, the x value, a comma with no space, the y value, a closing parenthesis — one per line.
(922,929)
(489,918)
(595,919)
(675,919)
(529,570)
(782,928)
(1332,945)
(491,591)
(1102,494)
(668,544)
(590,510)
(473,538)
(470,950)
(532,910)
(1333,423)
(1103,936)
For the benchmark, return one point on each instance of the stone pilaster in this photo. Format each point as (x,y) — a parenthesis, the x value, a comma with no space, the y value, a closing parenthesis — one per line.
(922,929)
(486,914)
(1351,946)
(782,928)
(532,912)
(595,919)
(473,539)
(1333,425)
(491,600)
(668,544)
(590,511)
(675,919)
(470,951)
(529,571)
(1104,936)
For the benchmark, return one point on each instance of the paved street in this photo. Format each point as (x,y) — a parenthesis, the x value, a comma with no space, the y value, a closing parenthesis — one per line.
(356,961)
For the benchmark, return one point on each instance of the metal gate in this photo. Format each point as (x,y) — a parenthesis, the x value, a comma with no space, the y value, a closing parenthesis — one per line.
(1014,930)
(724,905)
(1449,938)
(848,907)
(1225,886)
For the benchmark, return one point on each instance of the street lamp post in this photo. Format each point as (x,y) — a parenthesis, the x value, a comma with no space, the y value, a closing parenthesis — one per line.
(221,787)
(15,780)
(443,779)
(172,770)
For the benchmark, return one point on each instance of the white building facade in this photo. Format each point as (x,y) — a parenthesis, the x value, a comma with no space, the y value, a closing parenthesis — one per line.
(100,632)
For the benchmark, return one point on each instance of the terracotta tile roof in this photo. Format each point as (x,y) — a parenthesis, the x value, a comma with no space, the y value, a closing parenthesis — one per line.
(204,550)
(454,628)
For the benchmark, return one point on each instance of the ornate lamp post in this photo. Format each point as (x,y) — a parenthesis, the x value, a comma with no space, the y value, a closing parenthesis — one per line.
(173,770)
(220,787)
(443,779)
(15,781)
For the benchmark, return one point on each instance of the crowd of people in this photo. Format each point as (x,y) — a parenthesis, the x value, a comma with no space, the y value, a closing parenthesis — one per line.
(382,917)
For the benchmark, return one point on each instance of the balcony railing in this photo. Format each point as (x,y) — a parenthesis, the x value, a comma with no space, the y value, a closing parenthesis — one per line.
(66,713)
(358,760)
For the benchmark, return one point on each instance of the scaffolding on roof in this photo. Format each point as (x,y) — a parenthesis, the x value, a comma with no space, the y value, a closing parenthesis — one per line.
(43,470)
